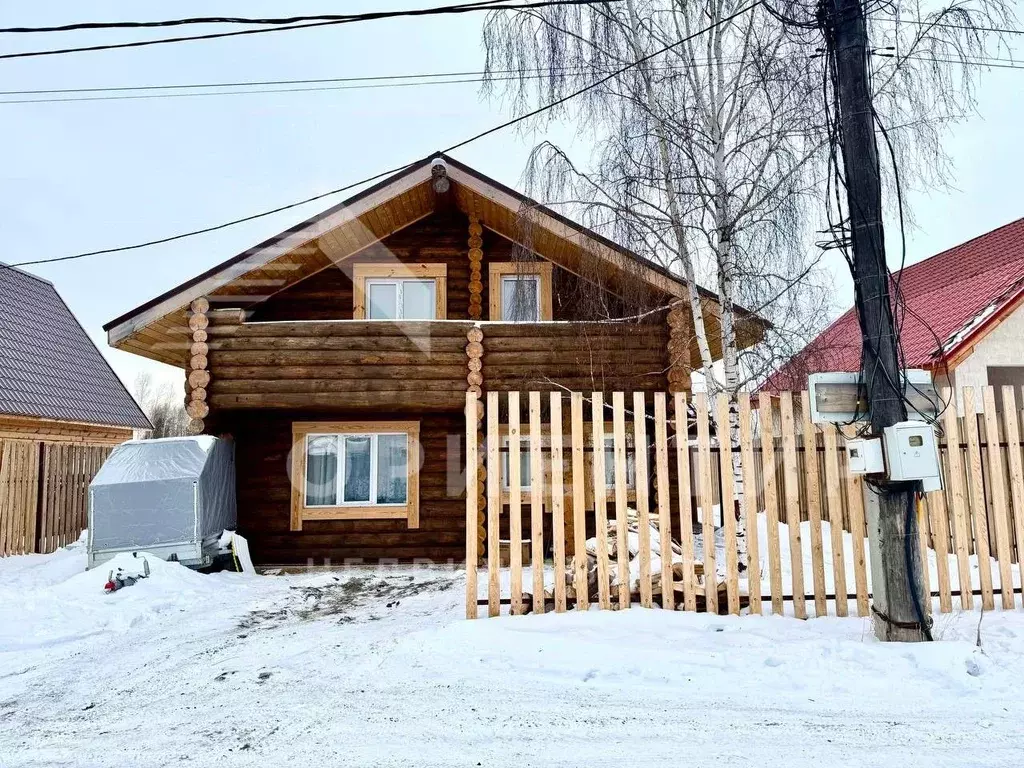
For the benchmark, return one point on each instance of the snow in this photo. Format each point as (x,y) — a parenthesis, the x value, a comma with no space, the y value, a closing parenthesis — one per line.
(362,667)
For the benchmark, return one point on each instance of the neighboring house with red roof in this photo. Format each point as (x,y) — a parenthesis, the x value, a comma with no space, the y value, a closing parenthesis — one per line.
(963,322)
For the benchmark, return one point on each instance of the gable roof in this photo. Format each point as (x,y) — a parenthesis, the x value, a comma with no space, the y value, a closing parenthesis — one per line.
(50,368)
(154,328)
(953,299)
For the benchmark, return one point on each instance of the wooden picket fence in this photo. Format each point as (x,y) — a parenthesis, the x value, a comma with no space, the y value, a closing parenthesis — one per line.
(44,493)
(531,531)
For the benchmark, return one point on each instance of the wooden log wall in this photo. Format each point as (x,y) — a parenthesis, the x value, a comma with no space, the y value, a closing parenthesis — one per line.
(263,451)
(582,357)
(198,375)
(349,364)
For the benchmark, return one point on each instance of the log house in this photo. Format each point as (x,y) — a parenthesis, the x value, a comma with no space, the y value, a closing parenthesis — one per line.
(335,352)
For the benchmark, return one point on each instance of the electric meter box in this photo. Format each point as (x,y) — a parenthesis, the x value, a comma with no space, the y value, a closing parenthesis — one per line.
(864,456)
(911,452)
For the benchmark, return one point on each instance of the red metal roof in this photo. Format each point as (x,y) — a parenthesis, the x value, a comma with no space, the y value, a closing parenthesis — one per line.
(950,297)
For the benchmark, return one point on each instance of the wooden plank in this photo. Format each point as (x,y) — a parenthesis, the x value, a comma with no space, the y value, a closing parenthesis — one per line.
(855,500)
(642,499)
(978,510)
(558,500)
(813,491)
(579,495)
(939,525)
(1000,500)
(958,500)
(604,600)
(17,498)
(682,435)
(515,490)
(59,471)
(32,501)
(706,502)
(771,508)
(749,504)
(536,504)
(833,485)
(621,498)
(1013,451)
(44,495)
(493,506)
(923,536)
(732,570)
(5,492)
(664,500)
(792,477)
(472,512)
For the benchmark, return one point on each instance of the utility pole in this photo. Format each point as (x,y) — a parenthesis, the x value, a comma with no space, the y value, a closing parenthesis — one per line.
(889,506)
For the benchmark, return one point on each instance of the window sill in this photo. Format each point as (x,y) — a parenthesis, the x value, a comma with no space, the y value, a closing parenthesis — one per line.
(356,513)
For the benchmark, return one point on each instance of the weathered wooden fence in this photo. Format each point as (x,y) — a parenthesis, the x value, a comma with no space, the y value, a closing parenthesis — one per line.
(44,493)
(567,525)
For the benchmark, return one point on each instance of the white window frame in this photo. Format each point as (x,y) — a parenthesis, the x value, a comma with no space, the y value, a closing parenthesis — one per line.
(341,438)
(304,432)
(399,283)
(536,280)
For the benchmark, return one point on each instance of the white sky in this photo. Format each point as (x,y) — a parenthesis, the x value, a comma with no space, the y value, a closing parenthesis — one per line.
(90,175)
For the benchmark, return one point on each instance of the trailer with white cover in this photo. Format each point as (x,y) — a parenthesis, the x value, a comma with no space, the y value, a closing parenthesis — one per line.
(172,497)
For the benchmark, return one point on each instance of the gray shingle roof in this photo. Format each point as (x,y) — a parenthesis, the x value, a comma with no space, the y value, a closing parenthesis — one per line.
(49,366)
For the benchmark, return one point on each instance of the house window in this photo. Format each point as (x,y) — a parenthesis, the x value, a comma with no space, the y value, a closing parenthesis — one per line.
(352,471)
(399,291)
(525,476)
(398,299)
(520,298)
(520,292)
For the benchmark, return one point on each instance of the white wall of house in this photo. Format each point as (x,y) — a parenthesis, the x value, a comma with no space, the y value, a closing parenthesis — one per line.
(1004,346)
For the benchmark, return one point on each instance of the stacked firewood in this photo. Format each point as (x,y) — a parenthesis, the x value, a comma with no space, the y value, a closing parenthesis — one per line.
(633,547)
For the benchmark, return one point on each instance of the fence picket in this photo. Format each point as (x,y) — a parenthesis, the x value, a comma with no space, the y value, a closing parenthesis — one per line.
(642,500)
(621,497)
(833,484)
(493,506)
(789,465)
(771,508)
(732,573)
(558,501)
(997,491)
(923,535)
(515,504)
(978,511)
(750,505)
(958,500)
(682,435)
(6,507)
(604,599)
(536,505)
(471,506)
(579,504)
(855,499)
(938,518)
(664,500)
(1013,452)
(707,506)
(813,490)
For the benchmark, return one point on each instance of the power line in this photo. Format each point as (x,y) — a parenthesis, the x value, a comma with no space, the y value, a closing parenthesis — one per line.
(452,148)
(246,20)
(947,25)
(123,93)
(482,5)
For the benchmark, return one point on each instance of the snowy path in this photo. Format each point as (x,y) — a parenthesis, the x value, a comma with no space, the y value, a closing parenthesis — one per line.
(228,670)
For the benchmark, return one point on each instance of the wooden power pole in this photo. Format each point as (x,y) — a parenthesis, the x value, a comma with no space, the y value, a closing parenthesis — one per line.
(895,575)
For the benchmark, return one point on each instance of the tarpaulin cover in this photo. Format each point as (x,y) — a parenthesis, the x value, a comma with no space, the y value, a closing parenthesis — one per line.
(167,491)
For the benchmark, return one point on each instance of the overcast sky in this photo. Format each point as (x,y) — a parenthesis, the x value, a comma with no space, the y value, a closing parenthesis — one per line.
(89,175)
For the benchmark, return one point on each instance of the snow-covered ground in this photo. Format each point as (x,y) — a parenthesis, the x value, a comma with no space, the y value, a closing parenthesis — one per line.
(379,668)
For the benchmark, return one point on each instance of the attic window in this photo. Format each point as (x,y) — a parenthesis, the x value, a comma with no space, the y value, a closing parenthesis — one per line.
(399,291)
(520,292)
